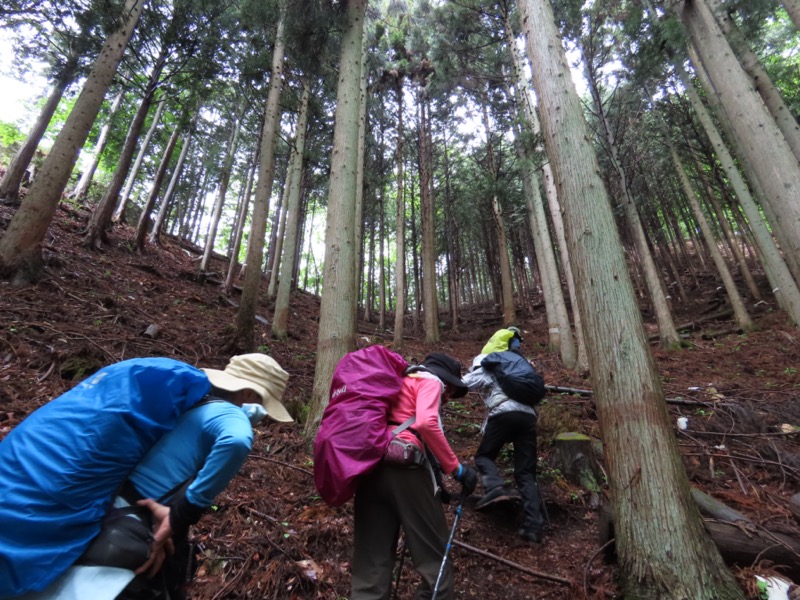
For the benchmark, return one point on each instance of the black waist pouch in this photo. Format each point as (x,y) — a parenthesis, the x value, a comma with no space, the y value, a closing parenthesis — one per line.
(124,540)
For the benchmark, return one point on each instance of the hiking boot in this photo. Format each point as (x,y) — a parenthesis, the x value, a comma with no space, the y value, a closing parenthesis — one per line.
(496,494)
(531,535)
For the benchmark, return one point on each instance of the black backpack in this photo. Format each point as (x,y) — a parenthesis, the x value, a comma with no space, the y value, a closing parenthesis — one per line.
(516,376)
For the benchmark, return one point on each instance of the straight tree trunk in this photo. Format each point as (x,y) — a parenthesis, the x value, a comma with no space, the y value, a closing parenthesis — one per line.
(233,265)
(124,196)
(667,333)
(224,180)
(155,189)
(336,319)
(173,182)
(663,549)
(243,337)
(100,220)
(740,312)
(10,184)
(760,78)
(400,235)
(282,210)
(280,321)
(82,188)
(358,230)
(558,326)
(758,138)
(430,303)
(20,246)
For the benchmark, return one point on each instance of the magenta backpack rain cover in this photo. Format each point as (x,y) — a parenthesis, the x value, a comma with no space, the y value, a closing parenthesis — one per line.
(354,434)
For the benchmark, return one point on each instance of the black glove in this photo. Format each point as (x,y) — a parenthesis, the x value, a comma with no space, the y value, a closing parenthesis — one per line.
(467,477)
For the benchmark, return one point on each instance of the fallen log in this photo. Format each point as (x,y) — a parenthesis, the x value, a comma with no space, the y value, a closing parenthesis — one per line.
(740,542)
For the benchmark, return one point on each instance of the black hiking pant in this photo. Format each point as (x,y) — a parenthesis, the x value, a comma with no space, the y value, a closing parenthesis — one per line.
(517,428)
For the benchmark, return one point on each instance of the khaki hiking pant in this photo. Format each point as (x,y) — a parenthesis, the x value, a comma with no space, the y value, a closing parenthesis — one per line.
(386,499)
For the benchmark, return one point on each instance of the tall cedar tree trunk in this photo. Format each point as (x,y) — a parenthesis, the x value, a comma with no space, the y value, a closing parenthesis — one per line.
(761,80)
(761,144)
(20,246)
(281,211)
(224,179)
(359,224)
(100,220)
(558,326)
(663,550)
(430,304)
(133,172)
(244,207)
(499,230)
(243,339)
(9,186)
(280,319)
(155,189)
(667,333)
(781,281)
(173,182)
(400,266)
(336,316)
(740,312)
(82,188)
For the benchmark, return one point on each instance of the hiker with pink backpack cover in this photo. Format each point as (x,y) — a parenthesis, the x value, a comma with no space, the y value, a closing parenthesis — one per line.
(378,404)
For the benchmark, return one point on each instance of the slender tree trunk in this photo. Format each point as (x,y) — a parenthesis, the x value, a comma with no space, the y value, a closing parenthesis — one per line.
(336,322)
(10,184)
(400,236)
(173,182)
(760,78)
(558,326)
(224,180)
(144,218)
(244,338)
(101,215)
(758,138)
(82,188)
(20,246)
(430,304)
(282,210)
(667,333)
(654,511)
(233,265)
(740,312)
(133,172)
(359,224)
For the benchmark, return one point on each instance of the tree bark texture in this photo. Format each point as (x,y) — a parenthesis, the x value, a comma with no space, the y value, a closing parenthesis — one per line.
(758,138)
(663,549)
(243,338)
(336,320)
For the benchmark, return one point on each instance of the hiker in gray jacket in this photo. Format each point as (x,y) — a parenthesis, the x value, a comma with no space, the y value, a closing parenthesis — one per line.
(507,421)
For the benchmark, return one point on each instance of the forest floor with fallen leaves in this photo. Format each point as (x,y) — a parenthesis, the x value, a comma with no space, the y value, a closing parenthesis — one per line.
(271,536)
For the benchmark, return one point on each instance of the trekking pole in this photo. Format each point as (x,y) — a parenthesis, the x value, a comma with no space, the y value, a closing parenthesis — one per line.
(449,545)
(399,572)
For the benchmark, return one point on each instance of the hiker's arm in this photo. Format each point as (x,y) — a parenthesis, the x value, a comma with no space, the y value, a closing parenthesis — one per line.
(428,394)
(230,438)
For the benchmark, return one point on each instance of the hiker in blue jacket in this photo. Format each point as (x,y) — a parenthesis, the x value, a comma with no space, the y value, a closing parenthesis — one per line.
(62,466)
(200,456)
(507,421)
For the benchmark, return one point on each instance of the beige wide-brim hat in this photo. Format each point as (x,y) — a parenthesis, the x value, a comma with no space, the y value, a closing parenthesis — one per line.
(257,372)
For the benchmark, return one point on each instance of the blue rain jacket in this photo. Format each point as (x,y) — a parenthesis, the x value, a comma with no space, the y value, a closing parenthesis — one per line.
(60,467)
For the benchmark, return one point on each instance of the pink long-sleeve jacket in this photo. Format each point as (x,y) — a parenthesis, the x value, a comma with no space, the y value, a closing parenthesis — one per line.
(421,396)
